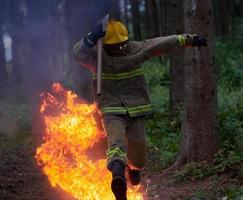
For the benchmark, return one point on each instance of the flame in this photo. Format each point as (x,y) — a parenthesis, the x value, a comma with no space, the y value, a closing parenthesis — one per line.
(70,129)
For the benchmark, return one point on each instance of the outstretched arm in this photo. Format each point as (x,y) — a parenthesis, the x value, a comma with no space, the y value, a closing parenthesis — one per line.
(161,45)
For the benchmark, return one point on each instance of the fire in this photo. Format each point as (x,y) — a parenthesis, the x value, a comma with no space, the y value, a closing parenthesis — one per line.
(70,129)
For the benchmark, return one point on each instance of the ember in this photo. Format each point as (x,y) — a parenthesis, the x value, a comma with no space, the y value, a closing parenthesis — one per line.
(70,129)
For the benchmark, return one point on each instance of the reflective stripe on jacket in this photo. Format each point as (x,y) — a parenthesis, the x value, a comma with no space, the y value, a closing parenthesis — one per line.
(124,89)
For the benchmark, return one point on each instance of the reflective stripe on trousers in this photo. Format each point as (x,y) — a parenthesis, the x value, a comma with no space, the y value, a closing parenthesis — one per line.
(132,111)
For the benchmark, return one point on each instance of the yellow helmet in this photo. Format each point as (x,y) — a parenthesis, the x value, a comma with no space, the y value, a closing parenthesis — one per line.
(116,33)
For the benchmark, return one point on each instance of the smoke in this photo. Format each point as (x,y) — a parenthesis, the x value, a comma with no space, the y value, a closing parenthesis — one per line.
(39,36)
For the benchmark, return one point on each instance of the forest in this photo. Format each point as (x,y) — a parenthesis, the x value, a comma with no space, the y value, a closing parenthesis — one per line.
(195,134)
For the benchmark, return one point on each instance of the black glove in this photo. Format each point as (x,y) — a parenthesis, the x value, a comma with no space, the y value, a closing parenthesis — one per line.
(199,41)
(94,35)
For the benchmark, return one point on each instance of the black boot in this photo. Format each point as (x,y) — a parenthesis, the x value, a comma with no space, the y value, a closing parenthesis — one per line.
(118,184)
(134,176)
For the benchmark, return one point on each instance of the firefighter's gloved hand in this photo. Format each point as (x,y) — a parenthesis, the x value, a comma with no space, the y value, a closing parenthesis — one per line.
(91,39)
(199,41)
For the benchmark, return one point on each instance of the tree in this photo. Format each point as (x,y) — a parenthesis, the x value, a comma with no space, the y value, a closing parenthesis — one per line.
(199,128)
(3,71)
(241,8)
(151,18)
(17,19)
(224,17)
(113,8)
(124,11)
(163,16)
(176,26)
(136,19)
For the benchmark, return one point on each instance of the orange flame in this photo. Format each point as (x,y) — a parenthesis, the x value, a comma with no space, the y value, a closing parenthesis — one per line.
(70,129)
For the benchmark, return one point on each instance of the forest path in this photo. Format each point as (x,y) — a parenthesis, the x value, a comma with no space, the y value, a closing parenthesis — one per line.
(22,179)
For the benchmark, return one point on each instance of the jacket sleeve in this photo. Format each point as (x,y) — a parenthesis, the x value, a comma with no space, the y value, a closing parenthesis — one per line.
(161,45)
(86,56)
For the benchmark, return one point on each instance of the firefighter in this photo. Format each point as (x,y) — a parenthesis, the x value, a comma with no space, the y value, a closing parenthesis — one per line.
(124,101)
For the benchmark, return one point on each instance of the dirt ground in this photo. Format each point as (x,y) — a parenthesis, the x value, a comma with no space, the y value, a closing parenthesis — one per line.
(22,179)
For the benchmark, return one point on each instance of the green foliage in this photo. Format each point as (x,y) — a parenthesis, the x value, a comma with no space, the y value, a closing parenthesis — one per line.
(234,192)
(230,118)
(231,192)
(191,171)
(229,59)
(223,161)
(163,133)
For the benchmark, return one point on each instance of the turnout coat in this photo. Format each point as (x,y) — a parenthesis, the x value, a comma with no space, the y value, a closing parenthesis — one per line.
(124,89)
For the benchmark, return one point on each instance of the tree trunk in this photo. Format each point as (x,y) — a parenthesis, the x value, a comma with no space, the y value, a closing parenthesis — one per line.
(3,71)
(199,129)
(152,18)
(224,16)
(163,4)
(148,25)
(124,11)
(176,26)
(241,8)
(115,9)
(16,19)
(200,123)
(57,39)
(237,9)
(136,19)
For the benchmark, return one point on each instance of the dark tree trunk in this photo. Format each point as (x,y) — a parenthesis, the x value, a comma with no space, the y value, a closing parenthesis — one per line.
(136,19)
(115,9)
(148,18)
(152,18)
(3,71)
(238,9)
(156,31)
(19,59)
(57,39)
(124,12)
(224,17)
(199,129)
(176,26)
(241,8)
(163,17)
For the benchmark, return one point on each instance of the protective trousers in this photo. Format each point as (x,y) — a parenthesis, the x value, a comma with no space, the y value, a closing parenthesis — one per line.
(126,139)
